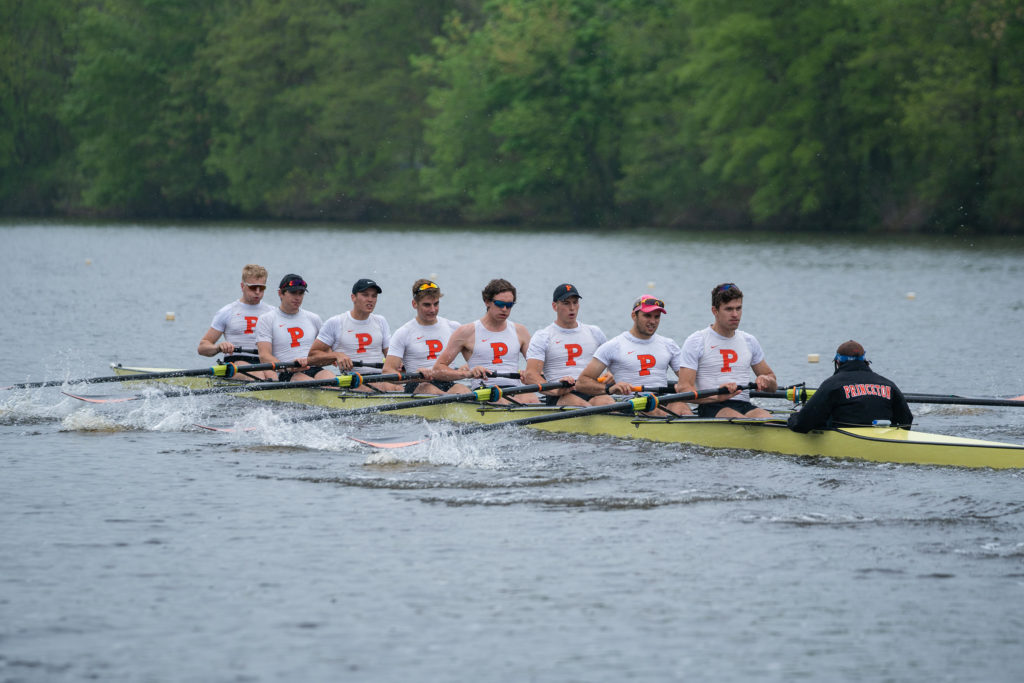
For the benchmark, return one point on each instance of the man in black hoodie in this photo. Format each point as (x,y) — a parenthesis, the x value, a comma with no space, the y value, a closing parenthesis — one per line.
(852,396)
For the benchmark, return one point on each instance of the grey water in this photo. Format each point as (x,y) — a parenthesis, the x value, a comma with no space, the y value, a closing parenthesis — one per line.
(136,547)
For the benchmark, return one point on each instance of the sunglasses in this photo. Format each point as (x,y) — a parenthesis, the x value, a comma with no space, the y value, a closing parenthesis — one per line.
(294,283)
(427,285)
(648,301)
(255,288)
(724,287)
(503,304)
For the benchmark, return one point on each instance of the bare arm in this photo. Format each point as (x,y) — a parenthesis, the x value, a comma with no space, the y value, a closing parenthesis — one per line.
(208,345)
(321,354)
(589,383)
(461,341)
(392,364)
(766,380)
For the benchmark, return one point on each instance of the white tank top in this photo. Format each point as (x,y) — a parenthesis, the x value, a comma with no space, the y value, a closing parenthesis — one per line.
(719,360)
(496,351)
(237,321)
(290,336)
(640,361)
(420,345)
(565,352)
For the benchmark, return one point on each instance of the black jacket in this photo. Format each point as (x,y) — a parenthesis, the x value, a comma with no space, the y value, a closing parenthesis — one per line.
(853,396)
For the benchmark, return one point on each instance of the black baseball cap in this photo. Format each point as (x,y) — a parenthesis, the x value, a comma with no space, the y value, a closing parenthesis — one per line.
(364,284)
(564,291)
(292,283)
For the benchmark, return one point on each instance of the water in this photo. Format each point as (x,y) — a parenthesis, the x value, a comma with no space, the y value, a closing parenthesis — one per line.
(134,548)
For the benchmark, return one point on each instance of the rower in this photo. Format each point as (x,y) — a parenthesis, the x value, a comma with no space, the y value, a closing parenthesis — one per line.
(722,355)
(638,356)
(285,334)
(853,396)
(237,323)
(491,344)
(356,335)
(561,350)
(416,345)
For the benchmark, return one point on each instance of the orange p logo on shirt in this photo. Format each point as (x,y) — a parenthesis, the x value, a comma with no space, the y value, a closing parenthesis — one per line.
(728,358)
(500,349)
(647,361)
(250,323)
(297,334)
(573,351)
(363,340)
(434,347)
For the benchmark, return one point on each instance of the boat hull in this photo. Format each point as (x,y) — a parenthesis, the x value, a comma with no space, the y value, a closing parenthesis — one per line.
(877,444)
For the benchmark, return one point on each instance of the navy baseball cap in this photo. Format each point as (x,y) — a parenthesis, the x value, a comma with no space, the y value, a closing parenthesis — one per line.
(364,284)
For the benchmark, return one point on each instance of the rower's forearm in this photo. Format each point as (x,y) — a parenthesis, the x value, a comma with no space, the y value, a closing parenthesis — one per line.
(589,385)
(446,374)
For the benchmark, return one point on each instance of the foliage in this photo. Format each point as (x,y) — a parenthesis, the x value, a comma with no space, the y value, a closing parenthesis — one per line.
(835,114)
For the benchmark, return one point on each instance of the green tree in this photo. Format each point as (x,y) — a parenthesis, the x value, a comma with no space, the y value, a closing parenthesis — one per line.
(322,110)
(35,62)
(964,112)
(138,109)
(527,118)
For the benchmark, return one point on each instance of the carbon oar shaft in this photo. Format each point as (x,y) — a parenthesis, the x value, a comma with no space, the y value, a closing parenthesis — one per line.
(224,370)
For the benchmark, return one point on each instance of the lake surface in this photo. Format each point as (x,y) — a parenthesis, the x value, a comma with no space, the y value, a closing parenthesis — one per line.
(134,547)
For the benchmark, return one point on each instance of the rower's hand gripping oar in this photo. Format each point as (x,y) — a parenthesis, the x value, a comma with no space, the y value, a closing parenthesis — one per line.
(222,370)
(639,404)
(347,381)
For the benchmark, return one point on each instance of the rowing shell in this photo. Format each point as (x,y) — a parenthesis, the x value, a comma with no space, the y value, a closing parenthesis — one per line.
(878,444)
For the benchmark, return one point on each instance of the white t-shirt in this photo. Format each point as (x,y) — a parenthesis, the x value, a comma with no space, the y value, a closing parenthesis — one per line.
(237,322)
(565,352)
(360,340)
(719,360)
(291,336)
(420,345)
(640,361)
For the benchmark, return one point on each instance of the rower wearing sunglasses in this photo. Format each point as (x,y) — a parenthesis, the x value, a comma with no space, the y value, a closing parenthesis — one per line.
(236,322)
(491,344)
(722,355)
(636,357)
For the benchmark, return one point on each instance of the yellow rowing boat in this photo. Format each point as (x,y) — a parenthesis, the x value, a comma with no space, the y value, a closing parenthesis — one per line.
(878,444)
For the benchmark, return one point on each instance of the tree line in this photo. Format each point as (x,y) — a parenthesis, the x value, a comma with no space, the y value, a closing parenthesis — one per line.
(808,114)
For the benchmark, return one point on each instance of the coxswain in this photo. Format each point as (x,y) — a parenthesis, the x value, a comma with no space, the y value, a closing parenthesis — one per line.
(722,355)
(561,350)
(285,334)
(637,357)
(236,322)
(492,344)
(854,395)
(416,345)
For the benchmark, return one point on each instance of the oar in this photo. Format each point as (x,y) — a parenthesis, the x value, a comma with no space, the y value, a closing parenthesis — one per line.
(483,394)
(224,370)
(347,381)
(254,352)
(638,404)
(939,399)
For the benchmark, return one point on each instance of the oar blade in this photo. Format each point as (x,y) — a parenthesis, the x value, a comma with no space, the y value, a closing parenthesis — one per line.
(383,444)
(101,399)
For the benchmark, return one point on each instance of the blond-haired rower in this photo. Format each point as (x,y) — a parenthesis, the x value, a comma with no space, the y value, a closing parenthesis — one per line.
(236,322)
